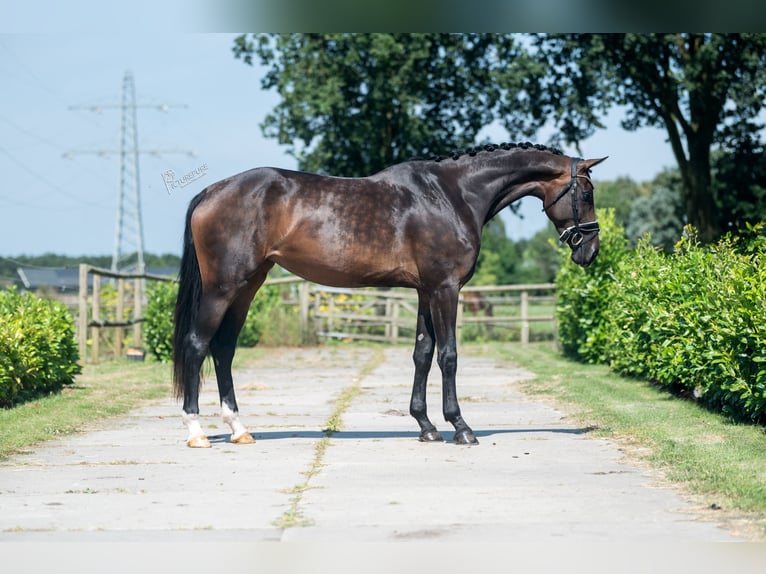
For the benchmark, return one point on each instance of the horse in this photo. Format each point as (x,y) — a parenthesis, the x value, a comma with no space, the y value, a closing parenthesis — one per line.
(416,224)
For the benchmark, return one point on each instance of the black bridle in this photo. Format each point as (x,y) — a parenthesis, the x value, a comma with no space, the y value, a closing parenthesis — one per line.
(575,234)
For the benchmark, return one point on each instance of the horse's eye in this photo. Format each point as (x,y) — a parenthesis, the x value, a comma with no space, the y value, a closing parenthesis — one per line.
(587,195)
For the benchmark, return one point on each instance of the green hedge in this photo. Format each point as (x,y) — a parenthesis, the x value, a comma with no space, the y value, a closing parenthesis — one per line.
(583,295)
(38,352)
(693,321)
(158,318)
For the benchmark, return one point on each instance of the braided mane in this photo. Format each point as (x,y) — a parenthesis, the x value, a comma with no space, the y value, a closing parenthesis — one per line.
(472,151)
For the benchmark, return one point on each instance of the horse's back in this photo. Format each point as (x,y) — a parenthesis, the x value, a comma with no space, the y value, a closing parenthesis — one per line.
(385,229)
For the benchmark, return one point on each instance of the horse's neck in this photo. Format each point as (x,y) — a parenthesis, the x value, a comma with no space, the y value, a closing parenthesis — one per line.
(501,182)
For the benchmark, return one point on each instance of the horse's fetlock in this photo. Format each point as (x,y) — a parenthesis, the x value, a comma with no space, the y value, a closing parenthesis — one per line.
(417,408)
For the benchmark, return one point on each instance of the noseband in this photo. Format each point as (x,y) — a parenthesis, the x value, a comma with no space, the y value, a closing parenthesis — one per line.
(575,234)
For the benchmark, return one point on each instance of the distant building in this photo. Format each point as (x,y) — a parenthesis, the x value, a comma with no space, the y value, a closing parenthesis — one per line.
(67,280)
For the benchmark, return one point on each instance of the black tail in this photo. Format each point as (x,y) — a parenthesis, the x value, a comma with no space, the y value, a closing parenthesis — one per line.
(187,303)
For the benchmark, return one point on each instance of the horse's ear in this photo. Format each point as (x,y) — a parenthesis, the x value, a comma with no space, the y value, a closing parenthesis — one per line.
(589,163)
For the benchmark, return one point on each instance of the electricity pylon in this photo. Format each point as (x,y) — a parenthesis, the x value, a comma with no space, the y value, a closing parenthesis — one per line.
(129,229)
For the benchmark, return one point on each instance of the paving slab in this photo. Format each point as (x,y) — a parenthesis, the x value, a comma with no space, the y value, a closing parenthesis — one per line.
(534,478)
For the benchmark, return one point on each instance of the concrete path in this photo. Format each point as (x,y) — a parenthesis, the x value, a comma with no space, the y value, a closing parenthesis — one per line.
(534,477)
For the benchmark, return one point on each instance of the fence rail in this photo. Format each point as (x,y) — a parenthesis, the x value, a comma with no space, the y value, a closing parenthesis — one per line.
(94,321)
(384,315)
(391,316)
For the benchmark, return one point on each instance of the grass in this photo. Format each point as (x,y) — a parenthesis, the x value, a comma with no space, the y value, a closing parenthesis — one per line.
(720,462)
(108,389)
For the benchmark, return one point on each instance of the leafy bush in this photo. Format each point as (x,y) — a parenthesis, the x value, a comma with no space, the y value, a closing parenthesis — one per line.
(693,321)
(583,295)
(259,316)
(158,318)
(38,353)
(696,322)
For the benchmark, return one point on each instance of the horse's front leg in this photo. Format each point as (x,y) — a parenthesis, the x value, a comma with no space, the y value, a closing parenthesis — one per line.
(444,313)
(423,358)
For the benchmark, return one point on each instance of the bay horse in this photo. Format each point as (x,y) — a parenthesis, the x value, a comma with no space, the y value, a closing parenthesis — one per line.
(415,224)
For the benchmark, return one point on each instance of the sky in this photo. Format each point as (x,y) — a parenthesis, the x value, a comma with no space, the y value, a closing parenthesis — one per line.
(200,107)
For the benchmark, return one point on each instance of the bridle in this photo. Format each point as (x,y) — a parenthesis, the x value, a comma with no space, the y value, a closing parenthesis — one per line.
(575,234)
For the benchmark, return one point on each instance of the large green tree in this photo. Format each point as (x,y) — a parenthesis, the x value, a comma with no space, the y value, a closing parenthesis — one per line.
(352,104)
(660,213)
(705,90)
(620,194)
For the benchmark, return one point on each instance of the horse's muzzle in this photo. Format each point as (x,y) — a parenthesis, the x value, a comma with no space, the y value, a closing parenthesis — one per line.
(584,253)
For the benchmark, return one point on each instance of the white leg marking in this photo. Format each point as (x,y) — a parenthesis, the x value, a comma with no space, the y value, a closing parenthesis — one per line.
(232,419)
(192,423)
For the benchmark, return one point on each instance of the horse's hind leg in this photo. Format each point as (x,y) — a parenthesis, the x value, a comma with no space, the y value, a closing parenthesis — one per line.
(197,342)
(222,348)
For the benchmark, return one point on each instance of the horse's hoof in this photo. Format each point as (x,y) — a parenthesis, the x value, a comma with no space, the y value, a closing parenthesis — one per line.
(199,441)
(431,436)
(465,436)
(244,438)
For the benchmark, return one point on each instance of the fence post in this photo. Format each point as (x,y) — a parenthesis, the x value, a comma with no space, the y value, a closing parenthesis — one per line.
(524,317)
(82,320)
(331,313)
(138,301)
(95,333)
(303,296)
(120,332)
(459,320)
(395,321)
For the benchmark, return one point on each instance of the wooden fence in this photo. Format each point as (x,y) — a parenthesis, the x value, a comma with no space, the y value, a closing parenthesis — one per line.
(385,315)
(391,315)
(535,304)
(93,319)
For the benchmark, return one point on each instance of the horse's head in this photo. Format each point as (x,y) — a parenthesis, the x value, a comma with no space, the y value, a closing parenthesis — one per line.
(568,203)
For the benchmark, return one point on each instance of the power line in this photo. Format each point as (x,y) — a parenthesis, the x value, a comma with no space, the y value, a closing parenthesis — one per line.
(29,265)
(46,181)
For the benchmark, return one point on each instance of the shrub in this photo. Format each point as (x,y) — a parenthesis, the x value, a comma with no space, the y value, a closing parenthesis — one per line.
(583,295)
(38,353)
(259,317)
(693,321)
(158,318)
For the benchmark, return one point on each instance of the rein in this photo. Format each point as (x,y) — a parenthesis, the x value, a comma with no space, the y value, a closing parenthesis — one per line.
(575,234)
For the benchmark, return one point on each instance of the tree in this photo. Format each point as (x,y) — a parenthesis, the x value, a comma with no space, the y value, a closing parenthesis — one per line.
(352,104)
(660,214)
(499,257)
(541,261)
(739,184)
(619,194)
(703,89)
